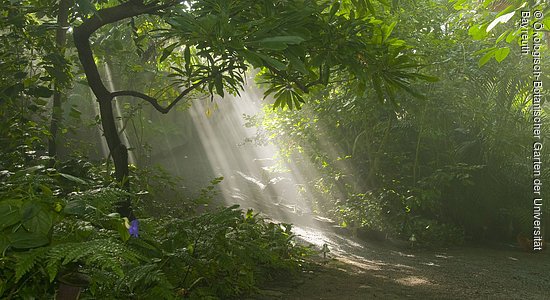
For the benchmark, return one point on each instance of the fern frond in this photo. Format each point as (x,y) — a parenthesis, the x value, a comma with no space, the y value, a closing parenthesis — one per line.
(25,261)
(105,254)
(145,276)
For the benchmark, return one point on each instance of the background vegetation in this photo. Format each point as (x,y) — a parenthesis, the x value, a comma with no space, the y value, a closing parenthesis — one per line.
(416,115)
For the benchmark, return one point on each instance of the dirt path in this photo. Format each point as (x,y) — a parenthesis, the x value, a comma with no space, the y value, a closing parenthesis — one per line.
(369,270)
(359,270)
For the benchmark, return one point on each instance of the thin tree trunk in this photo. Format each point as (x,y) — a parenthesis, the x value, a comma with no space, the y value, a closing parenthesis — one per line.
(81,35)
(372,177)
(118,151)
(60,42)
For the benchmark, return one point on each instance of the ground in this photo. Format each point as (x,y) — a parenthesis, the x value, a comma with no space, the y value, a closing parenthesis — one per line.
(359,269)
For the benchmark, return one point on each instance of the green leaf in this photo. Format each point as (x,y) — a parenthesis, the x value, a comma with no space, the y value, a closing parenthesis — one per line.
(287,39)
(187,56)
(513,35)
(278,42)
(252,58)
(75,207)
(4,243)
(501,54)
(75,113)
(272,62)
(334,9)
(486,58)
(40,91)
(9,213)
(297,64)
(167,51)
(388,30)
(477,32)
(72,178)
(25,240)
(370,6)
(123,231)
(26,260)
(29,210)
(41,223)
(484,50)
(86,6)
(219,85)
(502,36)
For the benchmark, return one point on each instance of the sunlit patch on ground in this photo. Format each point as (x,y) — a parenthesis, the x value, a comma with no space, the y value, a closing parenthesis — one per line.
(413,281)
(403,254)
(363,264)
(312,236)
(431,264)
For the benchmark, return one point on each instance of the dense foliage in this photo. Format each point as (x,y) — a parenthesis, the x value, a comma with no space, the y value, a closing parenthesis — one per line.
(443,157)
(58,220)
(451,165)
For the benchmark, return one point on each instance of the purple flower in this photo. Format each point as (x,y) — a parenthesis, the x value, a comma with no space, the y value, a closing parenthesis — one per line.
(133,228)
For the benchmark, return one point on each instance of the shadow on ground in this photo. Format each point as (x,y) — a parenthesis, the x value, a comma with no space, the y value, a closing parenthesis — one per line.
(359,269)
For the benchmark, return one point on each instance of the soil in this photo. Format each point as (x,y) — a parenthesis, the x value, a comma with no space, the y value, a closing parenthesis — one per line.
(358,269)
(379,268)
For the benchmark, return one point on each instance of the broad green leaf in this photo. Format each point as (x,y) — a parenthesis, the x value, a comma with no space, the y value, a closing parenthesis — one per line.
(297,64)
(501,54)
(252,58)
(484,50)
(9,213)
(41,223)
(25,240)
(29,210)
(486,58)
(477,32)
(4,242)
(75,207)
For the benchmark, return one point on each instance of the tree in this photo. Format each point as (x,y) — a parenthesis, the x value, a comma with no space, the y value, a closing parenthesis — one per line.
(448,159)
(297,45)
(60,42)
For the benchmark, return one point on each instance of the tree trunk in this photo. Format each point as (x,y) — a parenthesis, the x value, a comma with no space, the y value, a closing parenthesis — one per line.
(60,41)
(118,152)
(81,35)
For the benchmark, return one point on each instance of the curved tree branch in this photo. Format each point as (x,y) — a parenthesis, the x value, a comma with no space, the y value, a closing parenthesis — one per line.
(101,18)
(154,101)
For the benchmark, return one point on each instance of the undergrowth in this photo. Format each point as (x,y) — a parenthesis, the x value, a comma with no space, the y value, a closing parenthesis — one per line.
(58,221)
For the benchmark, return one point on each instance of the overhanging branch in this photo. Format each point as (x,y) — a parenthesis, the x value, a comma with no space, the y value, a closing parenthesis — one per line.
(154,101)
(101,18)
